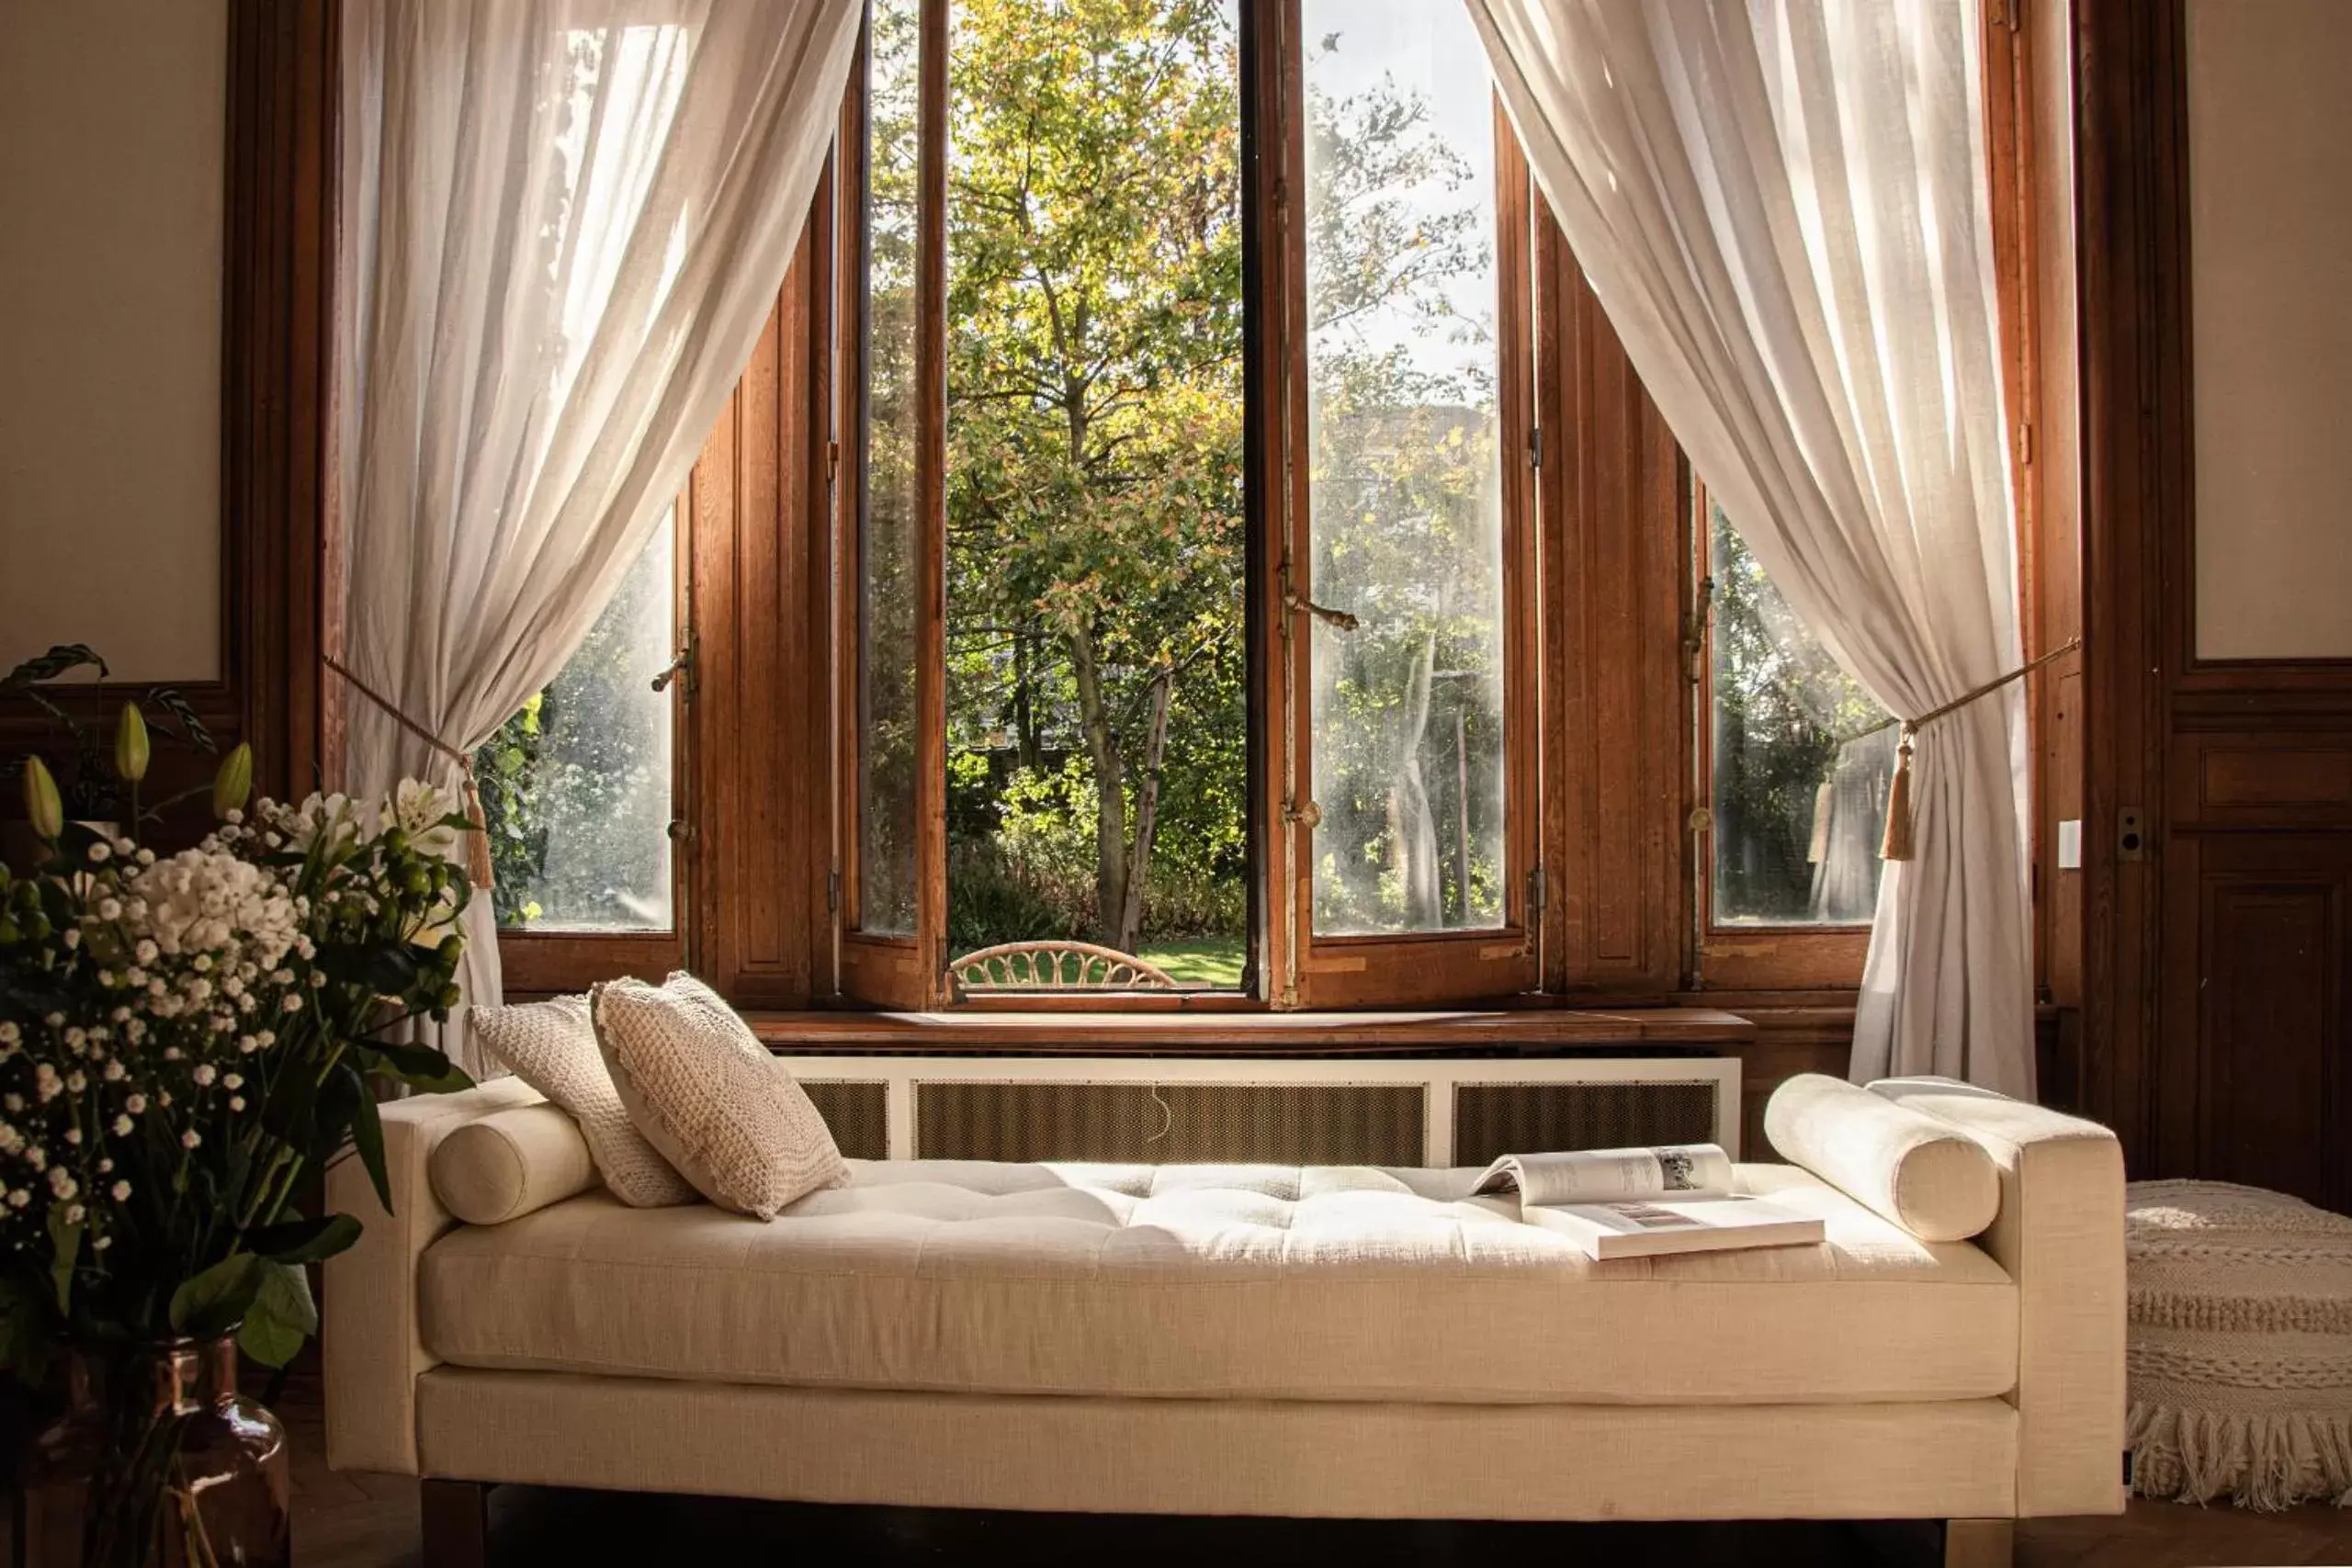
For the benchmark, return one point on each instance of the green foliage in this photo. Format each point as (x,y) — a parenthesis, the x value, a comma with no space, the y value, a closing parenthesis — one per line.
(1094,472)
(575,785)
(1097,706)
(91,789)
(1788,723)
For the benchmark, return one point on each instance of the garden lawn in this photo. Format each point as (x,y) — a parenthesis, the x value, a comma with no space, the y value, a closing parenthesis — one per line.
(1214,962)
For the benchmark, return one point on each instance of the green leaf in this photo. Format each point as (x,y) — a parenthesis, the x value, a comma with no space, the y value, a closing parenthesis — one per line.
(387,968)
(214,1301)
(65,1247)
(186,726)
(368,1137)
(282,1315)
(304,1241)
(61,658)
(419,1066)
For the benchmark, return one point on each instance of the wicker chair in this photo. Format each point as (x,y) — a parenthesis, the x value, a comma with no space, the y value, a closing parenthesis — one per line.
(1055,966)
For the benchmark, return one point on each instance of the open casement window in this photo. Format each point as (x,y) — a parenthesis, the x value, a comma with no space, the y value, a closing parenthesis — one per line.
(890,847)
(583,792)
(1795,759)
(1400,680)
(1184,556)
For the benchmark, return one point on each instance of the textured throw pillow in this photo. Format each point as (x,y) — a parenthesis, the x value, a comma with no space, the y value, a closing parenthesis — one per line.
(707,1093)
(551,1046)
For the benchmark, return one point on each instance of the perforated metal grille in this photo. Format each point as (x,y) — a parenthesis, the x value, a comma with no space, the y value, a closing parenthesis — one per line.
(1274,1123)
(1520,1118)
(856,1112)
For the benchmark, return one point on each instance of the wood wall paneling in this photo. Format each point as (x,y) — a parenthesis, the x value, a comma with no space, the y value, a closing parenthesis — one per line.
(2257,1082)
(2215,964)
(276,314)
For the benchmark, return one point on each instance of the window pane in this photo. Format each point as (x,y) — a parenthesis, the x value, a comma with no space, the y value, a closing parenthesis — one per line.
(1097,718)
(888,549)
(1406,487)
(1801,769)
(576,788)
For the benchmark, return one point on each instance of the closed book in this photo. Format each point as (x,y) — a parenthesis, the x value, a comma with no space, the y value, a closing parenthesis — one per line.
(1653,1227)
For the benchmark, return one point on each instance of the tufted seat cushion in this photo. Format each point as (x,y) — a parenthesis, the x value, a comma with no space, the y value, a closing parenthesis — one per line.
(1233,1281)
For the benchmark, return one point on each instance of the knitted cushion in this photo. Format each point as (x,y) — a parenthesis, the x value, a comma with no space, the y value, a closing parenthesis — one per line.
(2240,1346)
(552,1046)
(706,1092)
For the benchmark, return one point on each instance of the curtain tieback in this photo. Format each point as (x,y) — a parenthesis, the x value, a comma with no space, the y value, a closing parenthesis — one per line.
(477,841)
(1898,843)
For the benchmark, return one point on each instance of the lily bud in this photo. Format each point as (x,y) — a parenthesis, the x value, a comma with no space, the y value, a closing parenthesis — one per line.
(234,782)
(43,809)
(130,745)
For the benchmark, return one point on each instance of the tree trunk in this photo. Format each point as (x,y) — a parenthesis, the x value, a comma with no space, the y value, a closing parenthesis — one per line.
(1110,790)
(1147,812)
(1032,751)
(1412,827)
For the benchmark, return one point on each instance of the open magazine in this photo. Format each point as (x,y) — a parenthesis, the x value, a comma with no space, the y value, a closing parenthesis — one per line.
(1644,1203)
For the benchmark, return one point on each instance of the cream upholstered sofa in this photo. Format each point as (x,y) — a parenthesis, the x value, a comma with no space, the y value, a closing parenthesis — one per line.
(1273,1340)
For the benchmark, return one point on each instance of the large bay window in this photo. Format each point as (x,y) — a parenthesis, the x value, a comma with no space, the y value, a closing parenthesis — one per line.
(1134,532)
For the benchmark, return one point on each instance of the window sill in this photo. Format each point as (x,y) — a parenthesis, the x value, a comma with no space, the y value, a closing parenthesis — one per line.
(1664,1030)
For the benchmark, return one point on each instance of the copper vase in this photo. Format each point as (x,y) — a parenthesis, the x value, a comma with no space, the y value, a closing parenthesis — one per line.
(157,1462)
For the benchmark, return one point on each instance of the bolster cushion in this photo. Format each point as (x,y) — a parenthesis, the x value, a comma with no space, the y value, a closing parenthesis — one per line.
(512,1162)
(1925,1175)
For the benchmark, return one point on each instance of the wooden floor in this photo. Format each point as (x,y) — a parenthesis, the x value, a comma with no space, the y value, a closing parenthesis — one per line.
(343,1521)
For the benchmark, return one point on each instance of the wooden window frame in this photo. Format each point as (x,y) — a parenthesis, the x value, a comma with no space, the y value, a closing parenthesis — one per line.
(1790,955)
(537,961)
(892,969)
(1288,966)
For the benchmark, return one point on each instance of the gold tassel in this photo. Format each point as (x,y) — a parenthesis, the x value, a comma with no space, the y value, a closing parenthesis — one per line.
(1898,843)
(477,840)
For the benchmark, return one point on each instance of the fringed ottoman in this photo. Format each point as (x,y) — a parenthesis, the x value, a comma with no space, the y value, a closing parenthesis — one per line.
(2240,1344)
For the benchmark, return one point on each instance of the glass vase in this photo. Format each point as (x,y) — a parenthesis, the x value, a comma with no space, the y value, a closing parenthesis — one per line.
(157,1462)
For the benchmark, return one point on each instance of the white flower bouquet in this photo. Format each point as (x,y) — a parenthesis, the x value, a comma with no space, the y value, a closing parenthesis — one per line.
(186,1039)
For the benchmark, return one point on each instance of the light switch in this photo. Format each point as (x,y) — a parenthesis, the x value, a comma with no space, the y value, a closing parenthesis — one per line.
(2070,844)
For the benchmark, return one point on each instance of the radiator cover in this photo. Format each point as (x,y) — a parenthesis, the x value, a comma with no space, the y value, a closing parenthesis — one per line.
(1394,1111)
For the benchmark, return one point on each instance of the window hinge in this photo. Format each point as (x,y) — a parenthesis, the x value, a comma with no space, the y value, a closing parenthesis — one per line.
(833,464)
(1535,446)
(2025,441)
(1695,636)
(1538,891)
(832,892)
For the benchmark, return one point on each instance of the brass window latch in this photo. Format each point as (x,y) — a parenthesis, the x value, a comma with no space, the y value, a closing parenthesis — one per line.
(681,668)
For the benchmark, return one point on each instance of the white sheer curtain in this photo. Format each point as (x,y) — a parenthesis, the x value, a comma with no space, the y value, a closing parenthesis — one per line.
(1782,206)
(563,224)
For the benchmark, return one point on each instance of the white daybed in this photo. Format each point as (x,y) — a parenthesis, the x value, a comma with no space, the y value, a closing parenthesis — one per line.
(1237,1339)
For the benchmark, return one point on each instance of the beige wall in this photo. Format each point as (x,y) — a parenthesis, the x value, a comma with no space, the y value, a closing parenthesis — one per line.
(2270,174)
(112,135)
